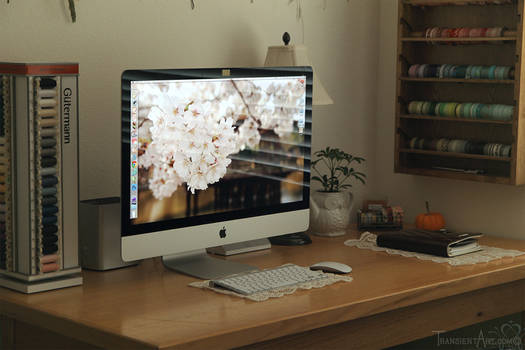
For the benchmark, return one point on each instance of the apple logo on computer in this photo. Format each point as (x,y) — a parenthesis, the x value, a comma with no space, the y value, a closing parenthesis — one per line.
(222,232)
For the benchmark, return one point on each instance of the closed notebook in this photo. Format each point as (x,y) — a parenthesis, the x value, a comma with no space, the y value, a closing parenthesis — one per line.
(447,244)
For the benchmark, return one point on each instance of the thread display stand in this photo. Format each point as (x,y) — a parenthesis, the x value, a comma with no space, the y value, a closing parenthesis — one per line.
(39,176)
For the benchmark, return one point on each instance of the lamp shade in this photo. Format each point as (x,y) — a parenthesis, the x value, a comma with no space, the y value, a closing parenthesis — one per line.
(297,55)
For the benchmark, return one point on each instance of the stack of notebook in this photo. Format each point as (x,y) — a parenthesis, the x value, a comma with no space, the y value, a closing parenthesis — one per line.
(441,243)
(38,176)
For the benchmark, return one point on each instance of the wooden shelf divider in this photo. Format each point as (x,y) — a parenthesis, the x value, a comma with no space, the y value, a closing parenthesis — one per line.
(458,40)
(455,154)
(456,175)
(457,80)
(460,120)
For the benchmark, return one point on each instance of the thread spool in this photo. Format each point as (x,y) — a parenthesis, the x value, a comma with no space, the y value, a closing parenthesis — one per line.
(466,110)
(492,149)
(448,71)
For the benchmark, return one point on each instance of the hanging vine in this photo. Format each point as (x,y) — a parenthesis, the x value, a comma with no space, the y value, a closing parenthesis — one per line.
(73,11)
(299,11)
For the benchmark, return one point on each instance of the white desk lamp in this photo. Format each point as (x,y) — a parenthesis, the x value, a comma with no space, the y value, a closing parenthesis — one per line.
(295,55)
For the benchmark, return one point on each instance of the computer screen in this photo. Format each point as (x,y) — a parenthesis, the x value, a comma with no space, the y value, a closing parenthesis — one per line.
(212,146)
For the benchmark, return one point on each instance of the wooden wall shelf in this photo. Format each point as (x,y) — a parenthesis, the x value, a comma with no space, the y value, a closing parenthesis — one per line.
(460,81)
(415,16)
(458,40)
(456,2)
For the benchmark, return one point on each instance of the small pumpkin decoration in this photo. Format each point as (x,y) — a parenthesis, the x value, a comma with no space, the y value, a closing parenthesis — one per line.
(430,221)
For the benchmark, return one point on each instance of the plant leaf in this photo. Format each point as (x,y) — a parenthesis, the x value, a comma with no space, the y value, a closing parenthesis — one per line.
(336,162)
(343,169)
(360,179)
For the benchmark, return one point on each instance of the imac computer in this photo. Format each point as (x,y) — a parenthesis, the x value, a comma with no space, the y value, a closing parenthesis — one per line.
(213,157)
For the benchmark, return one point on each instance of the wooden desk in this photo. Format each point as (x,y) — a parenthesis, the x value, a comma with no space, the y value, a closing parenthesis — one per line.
(392,300)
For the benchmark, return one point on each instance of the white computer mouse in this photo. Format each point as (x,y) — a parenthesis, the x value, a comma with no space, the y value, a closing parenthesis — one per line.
(331,266)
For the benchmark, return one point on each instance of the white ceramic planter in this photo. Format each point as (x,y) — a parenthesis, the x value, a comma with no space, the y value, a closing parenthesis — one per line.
(330,213)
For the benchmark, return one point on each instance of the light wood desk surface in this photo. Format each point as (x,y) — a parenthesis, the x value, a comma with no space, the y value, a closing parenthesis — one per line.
(392,300)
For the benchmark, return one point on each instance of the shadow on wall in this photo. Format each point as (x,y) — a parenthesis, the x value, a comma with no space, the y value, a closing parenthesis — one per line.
(242,51)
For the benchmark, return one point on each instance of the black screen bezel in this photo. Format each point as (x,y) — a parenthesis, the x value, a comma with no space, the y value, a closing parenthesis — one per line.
(127,227)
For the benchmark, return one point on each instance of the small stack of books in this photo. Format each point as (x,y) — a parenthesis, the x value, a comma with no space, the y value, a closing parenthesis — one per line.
(441,243)
(378,215)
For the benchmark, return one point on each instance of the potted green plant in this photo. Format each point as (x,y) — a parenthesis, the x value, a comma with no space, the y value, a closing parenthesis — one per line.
(330,206)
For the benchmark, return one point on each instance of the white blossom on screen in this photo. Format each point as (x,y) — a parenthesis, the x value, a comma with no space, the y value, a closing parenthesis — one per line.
(187,131)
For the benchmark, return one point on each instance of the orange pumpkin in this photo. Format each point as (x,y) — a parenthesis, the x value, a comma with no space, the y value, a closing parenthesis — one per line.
(430,221)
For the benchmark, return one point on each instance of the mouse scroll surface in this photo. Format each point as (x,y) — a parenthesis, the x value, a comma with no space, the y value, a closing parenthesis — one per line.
(331,266)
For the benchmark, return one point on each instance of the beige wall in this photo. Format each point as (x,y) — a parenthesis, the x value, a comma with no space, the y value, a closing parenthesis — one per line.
(352,45)
(494,209)
(113,35)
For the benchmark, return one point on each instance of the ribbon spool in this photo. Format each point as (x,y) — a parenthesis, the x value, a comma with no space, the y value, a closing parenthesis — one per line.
(432,33)
(450,71)
(461,146)
(466,110)
(463,32)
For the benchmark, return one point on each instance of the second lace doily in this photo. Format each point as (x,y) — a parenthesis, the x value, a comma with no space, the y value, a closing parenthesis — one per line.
(368,241)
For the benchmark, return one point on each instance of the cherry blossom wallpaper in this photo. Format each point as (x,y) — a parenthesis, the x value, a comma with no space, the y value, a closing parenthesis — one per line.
(203,142)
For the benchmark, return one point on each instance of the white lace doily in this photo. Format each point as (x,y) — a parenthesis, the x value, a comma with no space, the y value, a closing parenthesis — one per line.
(368,241)
(277,293)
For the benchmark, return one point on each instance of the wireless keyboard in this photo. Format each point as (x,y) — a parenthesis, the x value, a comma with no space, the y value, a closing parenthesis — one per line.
(260,281)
